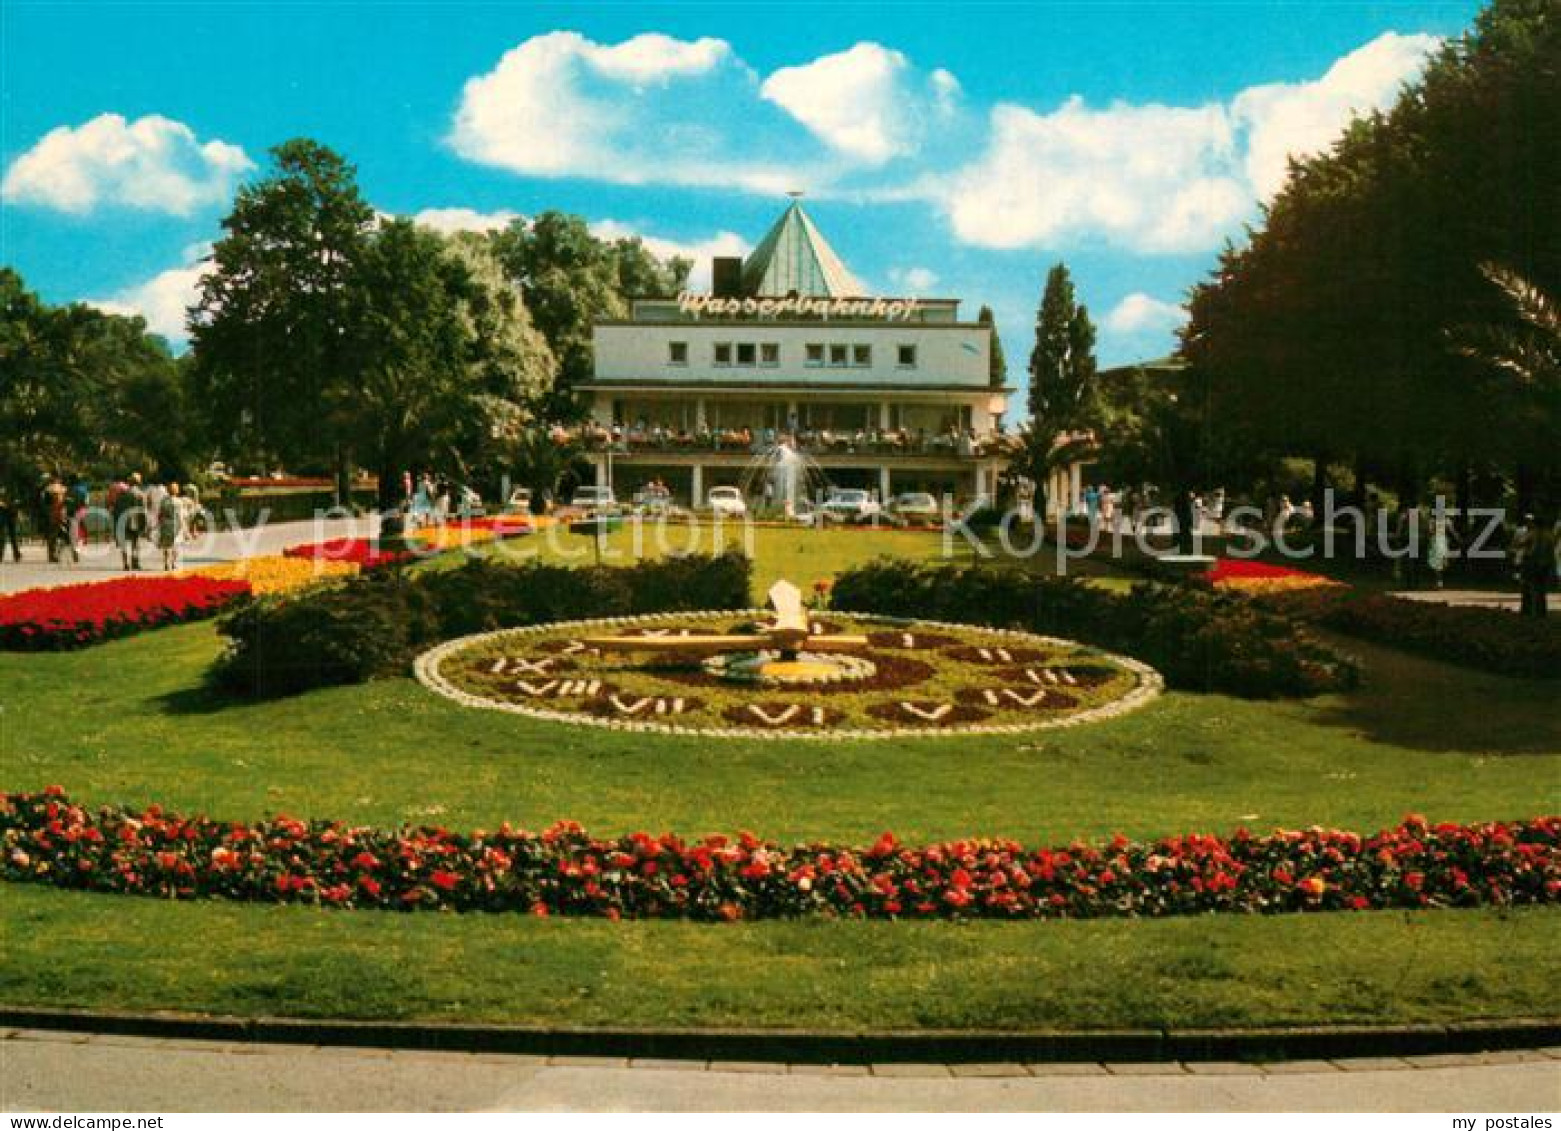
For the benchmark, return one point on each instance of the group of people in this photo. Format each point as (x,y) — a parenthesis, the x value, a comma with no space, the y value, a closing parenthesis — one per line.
(425,500)
(965,442)
(163,514)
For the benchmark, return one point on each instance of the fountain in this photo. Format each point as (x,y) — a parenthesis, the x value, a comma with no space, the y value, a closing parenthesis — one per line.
(782,476)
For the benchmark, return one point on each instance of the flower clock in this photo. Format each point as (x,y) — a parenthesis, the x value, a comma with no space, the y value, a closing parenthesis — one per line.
(787,672)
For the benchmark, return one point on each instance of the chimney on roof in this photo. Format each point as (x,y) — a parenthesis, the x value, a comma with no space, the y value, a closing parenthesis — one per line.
(726,276)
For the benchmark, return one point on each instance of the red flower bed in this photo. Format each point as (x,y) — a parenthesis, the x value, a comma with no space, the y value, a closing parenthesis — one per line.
(73,616)
(1260,577)
(44,838)
(360,551)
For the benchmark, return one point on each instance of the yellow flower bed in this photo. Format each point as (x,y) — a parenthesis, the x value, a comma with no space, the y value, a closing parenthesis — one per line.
(450,537)
(1277,584)
(275,574)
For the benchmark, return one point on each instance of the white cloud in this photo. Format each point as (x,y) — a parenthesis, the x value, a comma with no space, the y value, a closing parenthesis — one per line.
(164,299)
(699,251)
(1156,178)
(1139,312)
(1300,119)
(153,163)
(659,110)
(451,220)
(867,103)
(914,281)
(643,111)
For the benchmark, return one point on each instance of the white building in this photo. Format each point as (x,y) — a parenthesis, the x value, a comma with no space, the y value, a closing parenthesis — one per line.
(892,394)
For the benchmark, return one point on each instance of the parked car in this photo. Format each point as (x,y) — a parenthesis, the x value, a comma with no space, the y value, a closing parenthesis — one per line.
(594,500)
(726,502)
(652,500)
(915,508)
(519,501)
(849,504)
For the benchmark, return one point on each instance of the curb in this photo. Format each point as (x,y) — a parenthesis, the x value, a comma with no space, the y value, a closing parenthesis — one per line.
(808,1047)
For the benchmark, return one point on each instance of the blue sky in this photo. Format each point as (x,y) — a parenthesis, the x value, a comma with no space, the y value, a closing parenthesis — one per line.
(953,150)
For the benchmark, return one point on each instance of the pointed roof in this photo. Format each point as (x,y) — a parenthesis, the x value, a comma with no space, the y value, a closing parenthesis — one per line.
(795,256)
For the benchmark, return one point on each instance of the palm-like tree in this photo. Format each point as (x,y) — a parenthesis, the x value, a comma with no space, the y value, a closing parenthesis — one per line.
(1528,347)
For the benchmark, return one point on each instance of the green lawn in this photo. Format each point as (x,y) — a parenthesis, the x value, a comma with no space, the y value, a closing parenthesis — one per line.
(129,722)
(67,948)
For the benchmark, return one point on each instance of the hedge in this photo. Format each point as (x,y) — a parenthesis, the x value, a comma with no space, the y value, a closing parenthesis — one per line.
(1199,639)
(1491,640)
(374,625)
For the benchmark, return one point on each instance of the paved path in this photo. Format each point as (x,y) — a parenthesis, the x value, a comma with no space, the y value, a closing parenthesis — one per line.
(75,1072)
(100,559)
(1474,598)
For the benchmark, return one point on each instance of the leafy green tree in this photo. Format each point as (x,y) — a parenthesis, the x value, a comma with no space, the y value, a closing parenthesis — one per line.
(1063,393)
(570,280)
(997,370)
(1325,335)
(510,368)
(542,460)
(270,331)
(409,342)
(86,392)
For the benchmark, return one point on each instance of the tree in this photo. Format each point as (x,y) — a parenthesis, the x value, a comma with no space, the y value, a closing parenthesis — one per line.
(270,329)
(1063,395)
(570,280)
(1519,359)
(511,368)
(997,369)
(542,459)
(1325,335)
(409,344)
(449,365)
(86,392)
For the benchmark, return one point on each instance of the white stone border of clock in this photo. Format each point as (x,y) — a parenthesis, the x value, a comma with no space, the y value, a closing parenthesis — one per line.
(427,670)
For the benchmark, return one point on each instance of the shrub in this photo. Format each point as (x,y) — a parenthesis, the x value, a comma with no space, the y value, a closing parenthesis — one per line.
(1200,640)
(346,634)
(374,625)
(1487,639)
(564,871)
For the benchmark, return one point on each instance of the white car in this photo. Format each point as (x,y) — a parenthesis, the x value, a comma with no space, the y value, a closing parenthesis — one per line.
(727,502)
(915,507)
(595,500)
(849,504)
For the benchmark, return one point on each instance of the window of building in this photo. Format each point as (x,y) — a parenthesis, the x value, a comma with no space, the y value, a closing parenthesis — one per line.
(769,353)
(746,352)
(677,353)
(723,353)
(837,355)
(862,356)
(815,353)
(907,357)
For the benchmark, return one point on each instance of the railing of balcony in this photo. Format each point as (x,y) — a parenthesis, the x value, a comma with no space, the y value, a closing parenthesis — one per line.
(967,444)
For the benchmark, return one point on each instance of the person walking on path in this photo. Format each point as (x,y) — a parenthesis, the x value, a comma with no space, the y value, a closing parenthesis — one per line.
(1534,549)
(171,524)
(128,507)
(8,524)
(57,521)
(1440,552)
